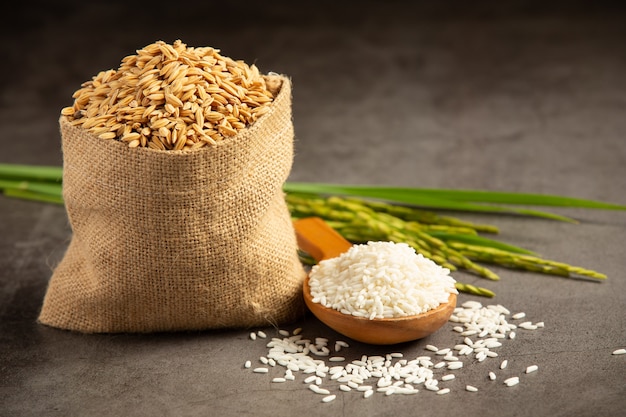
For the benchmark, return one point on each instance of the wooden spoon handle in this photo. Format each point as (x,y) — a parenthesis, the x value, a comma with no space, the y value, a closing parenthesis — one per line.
(318,239)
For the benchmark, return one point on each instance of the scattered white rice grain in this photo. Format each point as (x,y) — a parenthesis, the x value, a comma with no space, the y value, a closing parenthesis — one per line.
(492,376)
(439,365)
(458,329)
(345,388)
(448,377)
(472,304)
(455,365)
(531,368)
(278,379)
(261,334)
(518,316)
(297,331)
(540,324)
(336,359)
(283,332)
(504,364)
(432,348)
(619,352)
(261,370)
(263,360)
(368,393)
(309,379)
(443,351)
(512,335)
(443,391)
(329,398)
(253,336)
(247,365)
(509,382)
(471,388)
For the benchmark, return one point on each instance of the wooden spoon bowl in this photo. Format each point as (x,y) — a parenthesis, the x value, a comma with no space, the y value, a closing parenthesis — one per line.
(322,242)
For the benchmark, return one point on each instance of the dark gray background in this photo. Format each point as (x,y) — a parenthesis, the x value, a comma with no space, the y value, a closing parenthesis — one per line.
(519,96)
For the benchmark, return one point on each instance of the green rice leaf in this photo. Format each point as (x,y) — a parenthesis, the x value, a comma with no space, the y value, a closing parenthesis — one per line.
(32,195)
(499,197)
(52,189)
(415,197)
(31,172)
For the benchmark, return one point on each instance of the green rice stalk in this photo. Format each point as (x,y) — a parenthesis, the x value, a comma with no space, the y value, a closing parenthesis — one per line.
(524,262)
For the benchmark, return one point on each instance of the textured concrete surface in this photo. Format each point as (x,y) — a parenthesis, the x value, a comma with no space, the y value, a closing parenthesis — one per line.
(525,96)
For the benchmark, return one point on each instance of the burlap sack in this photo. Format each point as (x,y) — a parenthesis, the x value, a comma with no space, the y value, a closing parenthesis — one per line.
(167,241)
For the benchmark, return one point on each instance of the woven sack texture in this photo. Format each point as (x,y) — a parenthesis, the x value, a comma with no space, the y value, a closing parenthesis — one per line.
(171,241)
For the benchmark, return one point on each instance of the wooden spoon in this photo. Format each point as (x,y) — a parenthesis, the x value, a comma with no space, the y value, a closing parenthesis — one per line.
(320,241)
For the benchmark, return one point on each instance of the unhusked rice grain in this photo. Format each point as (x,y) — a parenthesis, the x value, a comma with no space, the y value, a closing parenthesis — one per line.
(173,97)
(380,280)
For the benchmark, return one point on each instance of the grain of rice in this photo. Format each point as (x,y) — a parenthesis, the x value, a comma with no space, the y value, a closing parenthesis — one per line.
(368,393)
(531,368)
(511,381)
(443,391)
(247,364)
(471,388)
(448,377)
(329,398)
(260,370)
(261,334)
(432,348)
(336,359)
(492,376)
(504,364)
(619,352)
(253,336)
(278,379)
(518,316)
